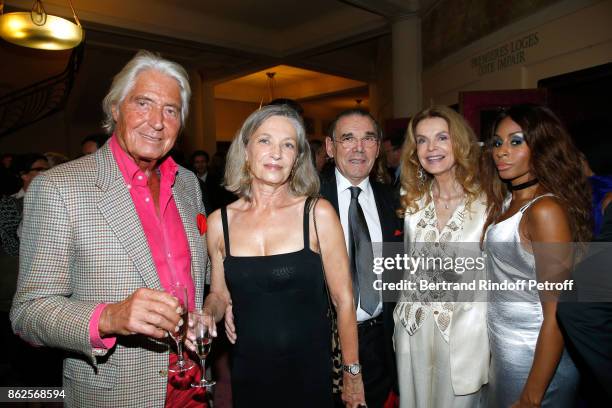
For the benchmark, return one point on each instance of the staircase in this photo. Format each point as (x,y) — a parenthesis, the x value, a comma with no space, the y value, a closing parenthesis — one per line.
(37,101)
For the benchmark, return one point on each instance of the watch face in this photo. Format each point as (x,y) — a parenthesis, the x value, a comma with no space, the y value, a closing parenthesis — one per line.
(353,369)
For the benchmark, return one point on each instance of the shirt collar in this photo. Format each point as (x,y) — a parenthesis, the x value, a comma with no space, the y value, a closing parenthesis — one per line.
(342,183)
(131,172)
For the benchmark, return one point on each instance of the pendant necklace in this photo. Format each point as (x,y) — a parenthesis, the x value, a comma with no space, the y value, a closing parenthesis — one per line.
(445,204)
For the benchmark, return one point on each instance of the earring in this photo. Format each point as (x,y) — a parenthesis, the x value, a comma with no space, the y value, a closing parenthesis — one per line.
(421,176)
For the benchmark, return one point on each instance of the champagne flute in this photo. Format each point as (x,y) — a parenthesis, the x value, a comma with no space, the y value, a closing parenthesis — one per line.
(203,344)
(179,291)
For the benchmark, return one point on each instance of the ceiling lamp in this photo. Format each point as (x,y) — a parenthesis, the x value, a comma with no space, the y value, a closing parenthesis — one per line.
(37,29)
(270,83)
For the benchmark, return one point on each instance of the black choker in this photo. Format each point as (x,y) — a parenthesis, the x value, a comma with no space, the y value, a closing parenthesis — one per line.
(524,185)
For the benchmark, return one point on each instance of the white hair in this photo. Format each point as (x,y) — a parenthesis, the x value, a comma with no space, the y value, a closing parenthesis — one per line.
(124,81)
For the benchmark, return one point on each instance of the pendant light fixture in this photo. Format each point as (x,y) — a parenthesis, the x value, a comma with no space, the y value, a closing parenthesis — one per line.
(37,29)
(270,83)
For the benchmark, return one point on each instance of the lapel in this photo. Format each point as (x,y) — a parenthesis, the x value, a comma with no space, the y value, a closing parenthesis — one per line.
(473,221)
(329,190)
(386,211)
(389,222)
(410,222)
(117,208)
(196,243)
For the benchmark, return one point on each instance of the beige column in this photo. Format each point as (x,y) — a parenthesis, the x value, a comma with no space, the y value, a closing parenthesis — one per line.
(374,101)
(208,118)
(380,89)
(199,131)
(193,132)
(407,66)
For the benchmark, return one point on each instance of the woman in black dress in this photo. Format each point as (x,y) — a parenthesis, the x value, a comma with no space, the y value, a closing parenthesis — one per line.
(267,271)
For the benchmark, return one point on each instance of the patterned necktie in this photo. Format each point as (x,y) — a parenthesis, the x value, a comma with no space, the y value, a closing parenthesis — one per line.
(361,255)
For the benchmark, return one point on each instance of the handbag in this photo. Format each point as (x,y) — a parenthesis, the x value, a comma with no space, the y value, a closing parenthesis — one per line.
(336,354)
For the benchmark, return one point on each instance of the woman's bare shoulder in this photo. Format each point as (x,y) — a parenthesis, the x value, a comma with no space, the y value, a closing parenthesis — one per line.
(238,205)
(547,209)
(324,208)
(548,221)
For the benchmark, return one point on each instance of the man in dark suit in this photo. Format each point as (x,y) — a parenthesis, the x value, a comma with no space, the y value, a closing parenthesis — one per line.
(199,164)
(392,146)
(585,317)
(367,212)
(214,196)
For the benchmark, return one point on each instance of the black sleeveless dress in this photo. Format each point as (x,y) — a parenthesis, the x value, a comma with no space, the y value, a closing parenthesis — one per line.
(282,357)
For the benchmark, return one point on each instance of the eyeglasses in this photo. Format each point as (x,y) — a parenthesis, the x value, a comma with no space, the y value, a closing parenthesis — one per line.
(350,142)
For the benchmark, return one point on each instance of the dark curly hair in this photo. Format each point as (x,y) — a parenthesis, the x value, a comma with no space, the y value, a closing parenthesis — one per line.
(555,161)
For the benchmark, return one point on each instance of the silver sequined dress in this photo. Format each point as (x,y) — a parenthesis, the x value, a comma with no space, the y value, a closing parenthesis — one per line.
(514,319)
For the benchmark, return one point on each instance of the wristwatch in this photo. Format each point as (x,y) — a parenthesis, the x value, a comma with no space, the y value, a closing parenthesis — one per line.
(352,369)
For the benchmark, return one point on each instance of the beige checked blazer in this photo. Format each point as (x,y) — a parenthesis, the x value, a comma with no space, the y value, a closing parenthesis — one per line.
(82,245)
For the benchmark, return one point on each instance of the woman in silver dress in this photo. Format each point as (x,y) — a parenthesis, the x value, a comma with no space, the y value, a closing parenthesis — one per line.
(539,204)
(441,346)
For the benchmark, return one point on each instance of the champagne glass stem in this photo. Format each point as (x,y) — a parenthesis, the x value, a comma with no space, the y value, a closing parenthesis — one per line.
(203,364)
(179,350)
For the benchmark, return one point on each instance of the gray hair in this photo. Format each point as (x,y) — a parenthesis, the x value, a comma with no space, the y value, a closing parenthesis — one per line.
(303,179)
(354,112)
(124,81)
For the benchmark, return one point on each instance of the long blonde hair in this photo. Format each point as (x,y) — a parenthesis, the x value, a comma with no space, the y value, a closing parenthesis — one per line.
(416,182)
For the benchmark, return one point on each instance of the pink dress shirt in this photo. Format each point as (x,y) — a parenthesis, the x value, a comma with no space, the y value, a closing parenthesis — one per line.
(164,232)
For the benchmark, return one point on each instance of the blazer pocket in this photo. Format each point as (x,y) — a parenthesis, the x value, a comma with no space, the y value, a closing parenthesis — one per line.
(79,371)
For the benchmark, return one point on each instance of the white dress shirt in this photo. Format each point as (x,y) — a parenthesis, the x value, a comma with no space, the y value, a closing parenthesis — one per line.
(368,204)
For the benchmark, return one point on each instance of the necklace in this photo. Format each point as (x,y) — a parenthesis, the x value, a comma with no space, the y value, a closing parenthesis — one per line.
(524,185)
(445,203)
(458,195)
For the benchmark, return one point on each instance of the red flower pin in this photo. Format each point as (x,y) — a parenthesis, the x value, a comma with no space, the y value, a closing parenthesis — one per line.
(201,221)
(397,233)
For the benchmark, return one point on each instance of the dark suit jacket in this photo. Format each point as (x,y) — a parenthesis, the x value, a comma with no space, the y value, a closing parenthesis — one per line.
(386,203)
(585,317)
(213,195)
(392,231)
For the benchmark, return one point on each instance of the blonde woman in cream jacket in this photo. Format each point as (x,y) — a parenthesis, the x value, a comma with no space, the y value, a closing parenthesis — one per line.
(440,337)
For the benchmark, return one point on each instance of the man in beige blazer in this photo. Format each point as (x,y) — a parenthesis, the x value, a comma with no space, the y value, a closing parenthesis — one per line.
(90,279)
